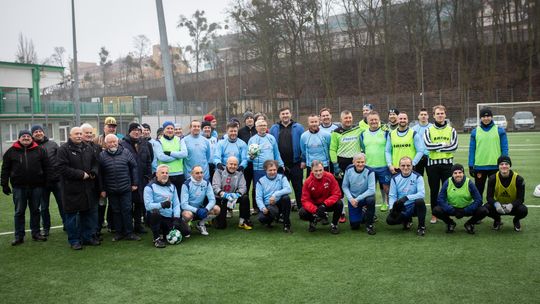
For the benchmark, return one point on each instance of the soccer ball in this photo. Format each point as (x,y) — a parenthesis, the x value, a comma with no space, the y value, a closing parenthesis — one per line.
(254,150)
(536,191)
(174,237)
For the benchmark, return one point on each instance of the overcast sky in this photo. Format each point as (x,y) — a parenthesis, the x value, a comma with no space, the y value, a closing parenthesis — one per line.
(109,23)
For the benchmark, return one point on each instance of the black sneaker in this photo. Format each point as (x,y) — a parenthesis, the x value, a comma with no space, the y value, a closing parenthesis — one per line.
(517,226)
(407,226)
(17,241)
(450,228)
(325,221)
(469,228)
(117,237)
(334,229)
(39,238)
(370,230)
(287,229)
(76,246)
(497,226)
(133,237)
(312,226)
(159,243)
(45,232)
(421,231)
(92,242)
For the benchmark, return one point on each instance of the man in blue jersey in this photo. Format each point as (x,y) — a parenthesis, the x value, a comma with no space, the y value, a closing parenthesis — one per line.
(273,196)
(314,144)
(326,120)
(198,148)
(420,128)
(197,200)
(406,198)
(231,146)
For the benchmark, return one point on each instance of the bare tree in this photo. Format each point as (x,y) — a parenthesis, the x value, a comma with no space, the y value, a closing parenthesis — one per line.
(105,65)
(142,46)
(25,51)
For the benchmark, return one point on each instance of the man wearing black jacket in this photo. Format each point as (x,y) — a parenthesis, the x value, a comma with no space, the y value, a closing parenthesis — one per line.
(141,149)
(53,178)
(245,134)
(119,179)
(78,167)
(25,165)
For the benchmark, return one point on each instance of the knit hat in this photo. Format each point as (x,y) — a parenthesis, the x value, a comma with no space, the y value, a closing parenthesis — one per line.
(146,126)
(368,106)
(457,167)
(393,110)
(159,131)
(485,112)
(23,132)
(235,120)
(209,117)
(132,126)
(35,128)
(504,159)
(110,121)
(168,123)
(247,115)
(205,124)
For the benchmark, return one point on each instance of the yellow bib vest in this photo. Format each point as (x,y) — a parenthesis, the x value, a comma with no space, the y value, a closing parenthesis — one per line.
(402,146)
(488,147)
(439,136)
(173,145)
(505,195)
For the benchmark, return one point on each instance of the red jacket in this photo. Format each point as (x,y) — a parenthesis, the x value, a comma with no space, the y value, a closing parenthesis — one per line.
(318,191)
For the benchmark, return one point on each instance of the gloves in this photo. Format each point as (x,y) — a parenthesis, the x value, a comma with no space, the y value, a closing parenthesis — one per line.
(227,195)
(240,168)
(459,212)
(166,204)
(321,211)
(202,213)
(220,166)
(471,171)
(507,208)
(168,153)
(6,189)
(400,204)
(499,208)
(281,170)
(237,195)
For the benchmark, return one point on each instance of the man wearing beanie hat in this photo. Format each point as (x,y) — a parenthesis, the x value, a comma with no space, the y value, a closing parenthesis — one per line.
(213,123)
(392,120)
(170,153)
(487,143)
(506,195)
(245,134)
(53,178)
(459,197)
(143,153)
(25,165)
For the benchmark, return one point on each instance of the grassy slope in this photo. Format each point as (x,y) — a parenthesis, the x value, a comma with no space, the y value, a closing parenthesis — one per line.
(268,266)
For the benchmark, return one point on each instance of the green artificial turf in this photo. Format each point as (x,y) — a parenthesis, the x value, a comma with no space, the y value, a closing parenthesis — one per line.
(268,266)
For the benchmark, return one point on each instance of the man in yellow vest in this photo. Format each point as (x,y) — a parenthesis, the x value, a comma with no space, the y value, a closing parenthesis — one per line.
(402,142)
(441,141)
(506,195)
(459,197)
(171,154)
(488,142)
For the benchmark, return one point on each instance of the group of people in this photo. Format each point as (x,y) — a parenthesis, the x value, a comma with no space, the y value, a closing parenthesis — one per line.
(177,181)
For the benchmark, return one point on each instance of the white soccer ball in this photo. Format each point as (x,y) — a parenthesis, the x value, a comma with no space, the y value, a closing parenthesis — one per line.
(254,150)
(174,237)
(536,191)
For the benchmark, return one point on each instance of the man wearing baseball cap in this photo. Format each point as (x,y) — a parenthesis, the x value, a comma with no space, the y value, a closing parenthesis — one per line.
(506,195)
(488,142)
(109,127)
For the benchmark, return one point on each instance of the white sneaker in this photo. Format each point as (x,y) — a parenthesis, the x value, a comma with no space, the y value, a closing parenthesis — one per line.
(202,228)
(229,213)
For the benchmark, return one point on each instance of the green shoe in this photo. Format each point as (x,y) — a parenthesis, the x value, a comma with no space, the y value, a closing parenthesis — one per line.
(384,207)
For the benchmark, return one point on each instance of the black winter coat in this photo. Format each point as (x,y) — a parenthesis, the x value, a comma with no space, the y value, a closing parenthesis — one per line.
(73,160)
(25,166)
(51,147)
(118,170)
(143,154)
(246,133)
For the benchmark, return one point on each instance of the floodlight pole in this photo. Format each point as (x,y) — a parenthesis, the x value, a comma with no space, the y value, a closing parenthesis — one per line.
(166,58)
(76,98)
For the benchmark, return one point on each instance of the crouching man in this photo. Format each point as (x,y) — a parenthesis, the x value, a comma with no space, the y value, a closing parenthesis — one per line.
(459,197)
(321,194)
(272,193)
(406,198)
(163,207)
(230,188)
(197,200)
(506,195)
